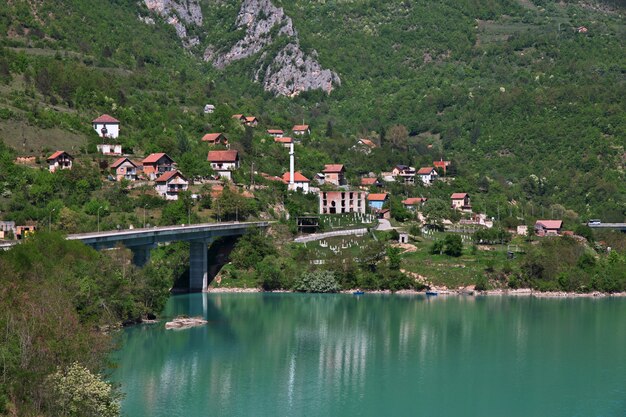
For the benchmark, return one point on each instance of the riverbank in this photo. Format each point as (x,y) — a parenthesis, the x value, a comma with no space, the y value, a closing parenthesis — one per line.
(467,291)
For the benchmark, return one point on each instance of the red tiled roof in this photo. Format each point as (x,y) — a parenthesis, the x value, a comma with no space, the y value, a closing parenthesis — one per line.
(441,164)
(169,175)
(412,201)
(283,140)
(425,171)
(250,118)
(298,177)
(154,157)
(121,161)
(368,181)
(377,197)
(332,168)
(458,196)
(212,137)
(550,224)
(238,116)
(222,156)
(57,154)
(105,118)
(368,143)
(275,131)
(299,128)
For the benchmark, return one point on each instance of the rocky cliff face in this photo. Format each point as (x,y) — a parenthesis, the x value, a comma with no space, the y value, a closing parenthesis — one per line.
(178,13)
(288,72)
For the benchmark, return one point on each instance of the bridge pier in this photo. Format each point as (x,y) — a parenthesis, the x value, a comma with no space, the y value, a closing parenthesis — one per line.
(198,265)
(141,254)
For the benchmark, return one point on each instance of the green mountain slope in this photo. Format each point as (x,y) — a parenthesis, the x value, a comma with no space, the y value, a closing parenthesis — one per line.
(530,109)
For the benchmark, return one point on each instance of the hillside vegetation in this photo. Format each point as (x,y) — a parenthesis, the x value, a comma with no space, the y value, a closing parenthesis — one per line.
(529,109)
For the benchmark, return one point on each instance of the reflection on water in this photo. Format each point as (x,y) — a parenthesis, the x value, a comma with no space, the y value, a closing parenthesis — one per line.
(323,355)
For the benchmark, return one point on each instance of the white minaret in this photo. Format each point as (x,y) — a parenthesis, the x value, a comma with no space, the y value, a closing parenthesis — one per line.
(292,162)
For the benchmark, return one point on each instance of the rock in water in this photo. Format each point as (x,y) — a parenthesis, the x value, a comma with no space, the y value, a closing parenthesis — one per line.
(180,323)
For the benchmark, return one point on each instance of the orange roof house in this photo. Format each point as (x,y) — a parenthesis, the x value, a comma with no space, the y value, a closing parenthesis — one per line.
(334,174)
(223,162)
(275,132)
(377,200)
(548,227)
(215,139)
(59,160)
(461,201)
(301,129)
(156,164)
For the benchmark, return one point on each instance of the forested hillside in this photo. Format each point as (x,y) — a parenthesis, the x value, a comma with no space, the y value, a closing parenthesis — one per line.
(526,98)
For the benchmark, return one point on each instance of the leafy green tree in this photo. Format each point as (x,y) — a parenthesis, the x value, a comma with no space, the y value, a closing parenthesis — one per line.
(453,245)
(317,281)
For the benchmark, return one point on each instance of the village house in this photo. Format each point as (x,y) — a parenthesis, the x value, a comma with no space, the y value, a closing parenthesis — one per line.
(522,230)
(106,126)
(412,203)
(239,117)
(427,175)
(548,227)
(299,181)
(59,160)
(368,182)
(170,184)
(377,200)
(156,164)
(301,130)
(209,108)
(251,121)
(215,139)
(442,165)
(109,148)
(24,231)
(405,173)
(124,169)
(334,174)
(275,132)
(285,141)
(7,230)
(461,201)
(333,202)
(366,145)
(223,162)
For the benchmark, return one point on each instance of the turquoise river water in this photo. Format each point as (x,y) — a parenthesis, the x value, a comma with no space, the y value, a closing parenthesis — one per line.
(378,355)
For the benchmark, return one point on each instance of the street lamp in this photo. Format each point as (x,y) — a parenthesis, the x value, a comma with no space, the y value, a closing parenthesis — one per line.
(50,219)
(99,208)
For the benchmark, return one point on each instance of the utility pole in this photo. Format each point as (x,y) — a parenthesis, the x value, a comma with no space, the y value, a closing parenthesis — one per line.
(50,219)
(144,215)
(99,208)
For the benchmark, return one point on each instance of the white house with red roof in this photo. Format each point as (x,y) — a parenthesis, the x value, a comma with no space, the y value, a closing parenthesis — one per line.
(156,164)
(170,184)
(427,175)
(412,203)
(301,130)
(215,139)
(59,160)
(285,141)
(299,181)
(366,145)
(275,132)
(461,201)
(106,126)
(125,169)
(224,162)
(548,227)
(334,174)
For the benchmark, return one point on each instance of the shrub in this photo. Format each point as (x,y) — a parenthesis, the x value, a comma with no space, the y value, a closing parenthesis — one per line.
(78,392)
(317,281)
